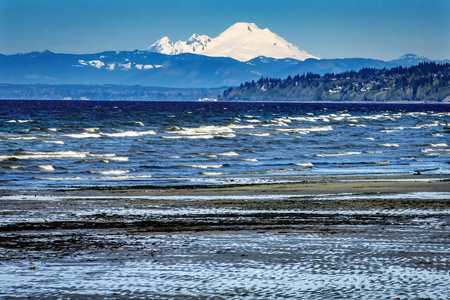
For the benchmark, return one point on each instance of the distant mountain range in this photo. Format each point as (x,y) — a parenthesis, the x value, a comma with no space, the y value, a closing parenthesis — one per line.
(201,62)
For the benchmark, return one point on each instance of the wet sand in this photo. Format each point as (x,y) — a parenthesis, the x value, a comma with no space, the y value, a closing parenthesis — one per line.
(312,237)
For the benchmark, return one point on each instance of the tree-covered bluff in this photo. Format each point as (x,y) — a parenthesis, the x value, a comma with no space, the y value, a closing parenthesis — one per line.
(427,81)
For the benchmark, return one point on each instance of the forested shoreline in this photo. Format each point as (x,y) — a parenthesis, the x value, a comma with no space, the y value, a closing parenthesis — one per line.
(424,82)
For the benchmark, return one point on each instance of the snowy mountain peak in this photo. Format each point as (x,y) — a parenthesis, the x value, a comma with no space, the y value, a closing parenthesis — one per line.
(163,46)
(242,41)
(242,27)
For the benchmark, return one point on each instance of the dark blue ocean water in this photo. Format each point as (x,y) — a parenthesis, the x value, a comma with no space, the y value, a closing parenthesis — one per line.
(76,143)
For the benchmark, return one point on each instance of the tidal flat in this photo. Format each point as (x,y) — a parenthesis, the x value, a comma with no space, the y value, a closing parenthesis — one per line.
(359,237)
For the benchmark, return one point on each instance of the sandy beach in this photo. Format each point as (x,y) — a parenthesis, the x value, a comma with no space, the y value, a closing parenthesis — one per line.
(315,237)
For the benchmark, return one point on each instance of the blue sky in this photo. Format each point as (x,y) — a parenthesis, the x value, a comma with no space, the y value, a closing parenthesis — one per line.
(382,29)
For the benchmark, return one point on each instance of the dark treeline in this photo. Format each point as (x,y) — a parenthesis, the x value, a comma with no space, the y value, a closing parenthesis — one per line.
(425,82)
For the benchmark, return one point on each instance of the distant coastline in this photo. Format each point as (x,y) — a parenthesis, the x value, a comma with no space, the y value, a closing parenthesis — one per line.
(424,83)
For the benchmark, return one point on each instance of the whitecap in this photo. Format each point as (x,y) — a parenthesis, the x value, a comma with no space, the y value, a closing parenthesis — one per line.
(139,123)
(12,167)
(438,145)
(306,119)
(91,130)
(48,168)
(356,125)
(129,133)
(227,135)
(118,158)
(260,134)
(388,145)
(46,155)
(22,138)
(308,164)
(250,159)
(241,126)
(202,132)
(61,155)
(91,133)
(19,121)
(339,154)
(204,166)
(198,137)
(208,155)
(308,130)
(111,172)
(214,173)
(95,178)
(230,153)
(84,135)
(435,150)
(54,142)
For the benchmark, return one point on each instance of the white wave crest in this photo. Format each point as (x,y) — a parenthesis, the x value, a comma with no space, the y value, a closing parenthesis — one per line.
(308,164)
(95,178)
(21,138)
(407,158)
(306,130)
(435,150)
(202,132)
(129,133)
(214,173)
(204,166)
(84,135)
(230,153)
(48,168)
(241,126)
(19,121)
(338,154)
(91,133)
(91,130)
(61,155)
(250,159)
(111,172)
(54,142)
(12,167)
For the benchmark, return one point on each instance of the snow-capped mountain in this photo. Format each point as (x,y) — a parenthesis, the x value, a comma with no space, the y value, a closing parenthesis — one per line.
(242,41)
(195,44)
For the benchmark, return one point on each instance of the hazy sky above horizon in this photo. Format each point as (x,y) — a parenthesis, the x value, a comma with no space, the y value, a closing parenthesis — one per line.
(380,29)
